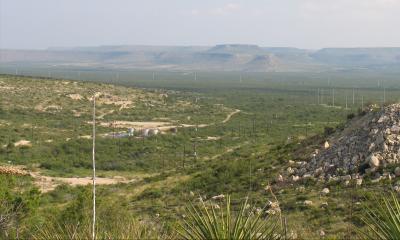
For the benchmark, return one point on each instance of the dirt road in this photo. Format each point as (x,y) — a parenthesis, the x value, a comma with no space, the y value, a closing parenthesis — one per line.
(230,115)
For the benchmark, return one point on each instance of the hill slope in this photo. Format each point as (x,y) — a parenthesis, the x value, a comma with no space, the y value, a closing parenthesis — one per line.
(368,146)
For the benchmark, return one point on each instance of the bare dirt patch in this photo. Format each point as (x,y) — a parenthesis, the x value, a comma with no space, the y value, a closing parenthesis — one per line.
(52,108)
(6,88)
(85,137)
(108,99)
(49,108)
(11,170)
(22,143)
(128,124)
(4,123)
(46,183)
(76,113)
(213,138)
(75,96)
(103,114)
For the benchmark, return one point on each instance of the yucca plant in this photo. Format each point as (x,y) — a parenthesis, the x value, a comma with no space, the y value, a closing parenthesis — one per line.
(212,222)
(382,220)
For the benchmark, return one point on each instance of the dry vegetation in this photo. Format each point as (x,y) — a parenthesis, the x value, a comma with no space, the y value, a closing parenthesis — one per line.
(227,141)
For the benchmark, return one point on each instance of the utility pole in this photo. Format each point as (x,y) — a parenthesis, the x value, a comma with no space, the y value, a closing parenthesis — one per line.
(250,175)
(163,163)
(353,96)
(195,150)
(94,168)
(239,129)
(306,130)
(384,95)
(183,157)
(32,138)
(254,126)
(362,102)
(333,97)
(322,96)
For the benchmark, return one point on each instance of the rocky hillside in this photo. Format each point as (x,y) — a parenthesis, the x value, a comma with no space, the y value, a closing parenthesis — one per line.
(369,145)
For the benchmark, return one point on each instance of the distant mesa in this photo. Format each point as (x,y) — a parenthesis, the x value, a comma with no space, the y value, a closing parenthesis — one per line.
(236,48)
(267,62)
(222,57)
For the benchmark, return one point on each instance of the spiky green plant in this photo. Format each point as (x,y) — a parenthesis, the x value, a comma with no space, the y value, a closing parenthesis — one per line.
(382,220)
(212,222)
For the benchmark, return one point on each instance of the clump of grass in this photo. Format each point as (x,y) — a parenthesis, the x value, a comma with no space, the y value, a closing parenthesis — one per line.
(131,229)
(213,222)
(382,220)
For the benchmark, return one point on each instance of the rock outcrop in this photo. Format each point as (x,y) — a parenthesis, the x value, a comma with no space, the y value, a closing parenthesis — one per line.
(367,144)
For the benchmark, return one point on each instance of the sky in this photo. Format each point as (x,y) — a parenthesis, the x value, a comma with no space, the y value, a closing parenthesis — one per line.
(312,24)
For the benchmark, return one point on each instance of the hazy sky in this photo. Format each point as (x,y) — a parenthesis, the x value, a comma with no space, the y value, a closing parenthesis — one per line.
(295,23)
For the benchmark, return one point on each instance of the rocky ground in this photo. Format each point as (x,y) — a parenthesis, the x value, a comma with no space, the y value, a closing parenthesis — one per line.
(369,145)
(11,170)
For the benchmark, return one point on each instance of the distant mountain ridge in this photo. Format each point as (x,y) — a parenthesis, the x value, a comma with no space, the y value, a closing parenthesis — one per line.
(223,57)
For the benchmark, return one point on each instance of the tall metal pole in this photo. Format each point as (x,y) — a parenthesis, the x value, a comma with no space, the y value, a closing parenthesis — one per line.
(94,168)
(322,96)
(362,102)
(384,95)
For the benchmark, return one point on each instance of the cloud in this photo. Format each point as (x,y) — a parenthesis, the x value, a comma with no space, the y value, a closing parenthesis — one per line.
(225,10)
(318,5)
(350,9)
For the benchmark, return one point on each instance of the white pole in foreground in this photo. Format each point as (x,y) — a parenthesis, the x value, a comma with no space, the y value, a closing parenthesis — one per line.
(94,168)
